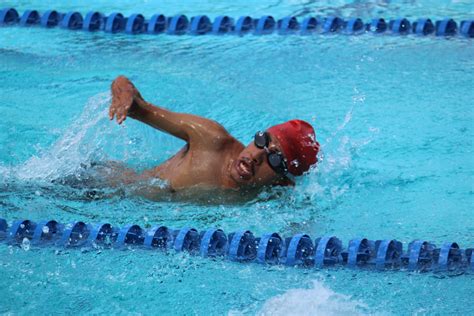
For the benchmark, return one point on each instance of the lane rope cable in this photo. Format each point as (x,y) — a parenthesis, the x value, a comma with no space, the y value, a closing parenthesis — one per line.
(244,246)
(180,24)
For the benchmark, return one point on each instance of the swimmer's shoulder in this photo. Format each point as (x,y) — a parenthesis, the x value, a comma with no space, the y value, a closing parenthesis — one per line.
(214,136)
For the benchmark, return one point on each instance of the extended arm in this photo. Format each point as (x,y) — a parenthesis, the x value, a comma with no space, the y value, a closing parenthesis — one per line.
(127,101)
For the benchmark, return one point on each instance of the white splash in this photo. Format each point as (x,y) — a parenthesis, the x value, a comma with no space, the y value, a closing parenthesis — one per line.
(4,174)
(327,180)
(318,300)
(25,244)
(77,145)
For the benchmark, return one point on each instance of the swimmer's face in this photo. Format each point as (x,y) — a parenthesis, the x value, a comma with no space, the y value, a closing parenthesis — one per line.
(251,168)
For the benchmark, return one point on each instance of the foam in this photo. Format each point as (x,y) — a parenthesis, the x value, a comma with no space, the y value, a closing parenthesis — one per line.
(318,300)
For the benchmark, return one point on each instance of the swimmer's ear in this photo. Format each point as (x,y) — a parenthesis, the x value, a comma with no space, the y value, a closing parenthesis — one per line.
(284,182)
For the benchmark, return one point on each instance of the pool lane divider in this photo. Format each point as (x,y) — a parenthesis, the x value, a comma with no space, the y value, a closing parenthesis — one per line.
(244,246)
(180,24)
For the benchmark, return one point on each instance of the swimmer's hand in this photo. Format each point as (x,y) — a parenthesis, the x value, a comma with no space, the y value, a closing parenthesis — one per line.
(124,99)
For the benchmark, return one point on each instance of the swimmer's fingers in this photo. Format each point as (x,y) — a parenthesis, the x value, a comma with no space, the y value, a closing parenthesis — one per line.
(123,92)
(122,110)
(115,110)
(122,115)
(112,109)
(121,102)
(116,91)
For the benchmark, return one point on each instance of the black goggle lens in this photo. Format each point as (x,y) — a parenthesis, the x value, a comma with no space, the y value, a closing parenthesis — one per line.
(277,162)
(275,159)
(261,140)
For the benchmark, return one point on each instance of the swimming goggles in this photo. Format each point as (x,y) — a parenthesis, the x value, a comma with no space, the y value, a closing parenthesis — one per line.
(275,159)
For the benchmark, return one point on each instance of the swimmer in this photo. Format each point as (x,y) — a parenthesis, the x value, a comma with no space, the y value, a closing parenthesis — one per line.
(212,158)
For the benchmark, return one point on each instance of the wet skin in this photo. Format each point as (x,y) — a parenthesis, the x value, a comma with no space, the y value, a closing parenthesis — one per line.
(211,159)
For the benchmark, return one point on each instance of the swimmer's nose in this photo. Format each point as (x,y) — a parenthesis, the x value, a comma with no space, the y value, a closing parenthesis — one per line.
(258,157)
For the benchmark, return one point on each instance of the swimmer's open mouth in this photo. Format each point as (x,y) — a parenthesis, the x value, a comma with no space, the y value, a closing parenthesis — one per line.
(245,168)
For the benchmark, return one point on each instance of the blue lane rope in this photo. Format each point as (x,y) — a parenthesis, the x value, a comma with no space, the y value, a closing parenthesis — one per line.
(202,24)
(244,246)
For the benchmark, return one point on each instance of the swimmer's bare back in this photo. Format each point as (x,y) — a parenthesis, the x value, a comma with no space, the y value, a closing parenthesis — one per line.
(203,162)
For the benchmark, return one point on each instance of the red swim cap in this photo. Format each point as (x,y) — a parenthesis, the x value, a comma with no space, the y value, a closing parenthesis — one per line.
(298,143)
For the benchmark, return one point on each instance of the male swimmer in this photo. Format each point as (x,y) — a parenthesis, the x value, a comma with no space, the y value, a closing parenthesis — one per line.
(212,158)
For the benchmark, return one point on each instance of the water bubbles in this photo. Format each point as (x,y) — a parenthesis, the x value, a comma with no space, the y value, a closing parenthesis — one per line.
(159,183)
(311,143)
(295,163)
(374,129)
(358,96)
(45,230)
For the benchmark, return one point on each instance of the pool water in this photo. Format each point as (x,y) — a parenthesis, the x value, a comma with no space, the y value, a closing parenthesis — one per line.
(393,115)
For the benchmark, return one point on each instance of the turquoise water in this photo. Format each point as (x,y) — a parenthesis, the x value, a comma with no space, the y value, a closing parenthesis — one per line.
(394,117)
